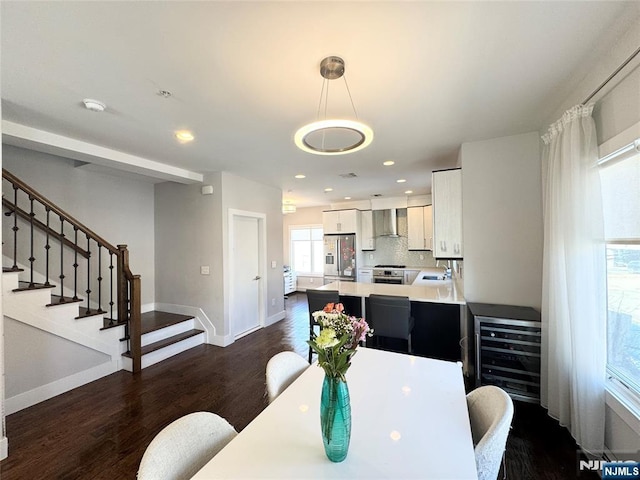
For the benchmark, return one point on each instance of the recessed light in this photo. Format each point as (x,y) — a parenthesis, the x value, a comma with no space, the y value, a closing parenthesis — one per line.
(301,176)
(388,163)
(184,136)
(401,180)
(328,189)
(347,198)
(94,105)
(408,192)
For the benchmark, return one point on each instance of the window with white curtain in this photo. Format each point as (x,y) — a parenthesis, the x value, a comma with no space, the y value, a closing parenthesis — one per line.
(306,249)
(620,179)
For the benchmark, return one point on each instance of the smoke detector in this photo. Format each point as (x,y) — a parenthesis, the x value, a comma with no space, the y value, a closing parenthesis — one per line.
(94,105)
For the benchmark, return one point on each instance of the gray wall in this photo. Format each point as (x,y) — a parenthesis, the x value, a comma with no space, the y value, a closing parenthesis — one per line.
(192,231)
(118,208)
(34,358)
(502,218)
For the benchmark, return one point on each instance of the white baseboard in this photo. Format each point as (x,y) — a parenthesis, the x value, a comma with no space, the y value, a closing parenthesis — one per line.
(275,318)
(50,390)
(221,340)
(4,448)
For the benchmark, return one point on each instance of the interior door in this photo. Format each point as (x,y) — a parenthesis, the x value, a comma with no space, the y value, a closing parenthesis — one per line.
(245,302)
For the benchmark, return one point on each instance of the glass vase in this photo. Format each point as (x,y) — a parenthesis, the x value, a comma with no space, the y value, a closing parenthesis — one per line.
(335,418)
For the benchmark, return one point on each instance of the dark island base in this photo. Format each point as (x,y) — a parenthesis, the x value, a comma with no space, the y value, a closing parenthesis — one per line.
(436,333)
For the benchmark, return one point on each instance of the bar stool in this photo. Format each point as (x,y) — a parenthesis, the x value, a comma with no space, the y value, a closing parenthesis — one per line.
(317,299)
(390,316)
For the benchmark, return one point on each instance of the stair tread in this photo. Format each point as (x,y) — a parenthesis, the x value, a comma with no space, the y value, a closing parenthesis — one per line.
(166,342)
(60,300)
(24,286)
(155,320)
(11,269)
(85,312)
(112,323)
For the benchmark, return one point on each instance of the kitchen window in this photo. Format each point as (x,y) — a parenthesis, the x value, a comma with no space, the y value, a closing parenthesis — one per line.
(620,179)
(306,249)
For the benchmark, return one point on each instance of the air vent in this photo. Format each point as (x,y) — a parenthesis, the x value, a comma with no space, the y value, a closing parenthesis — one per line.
(348,175)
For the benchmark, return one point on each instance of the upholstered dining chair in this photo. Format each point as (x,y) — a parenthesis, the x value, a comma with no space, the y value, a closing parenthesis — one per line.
(317,299)
(282,369)
(184,446)
(390,316)
(490,413)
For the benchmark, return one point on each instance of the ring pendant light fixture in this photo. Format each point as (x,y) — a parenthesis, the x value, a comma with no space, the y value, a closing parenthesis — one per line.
(333,136)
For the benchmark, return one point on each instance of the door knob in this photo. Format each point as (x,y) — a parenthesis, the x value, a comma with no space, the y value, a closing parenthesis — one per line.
(257,277)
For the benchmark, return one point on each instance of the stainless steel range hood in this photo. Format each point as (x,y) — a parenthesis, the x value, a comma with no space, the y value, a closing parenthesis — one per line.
(386,222)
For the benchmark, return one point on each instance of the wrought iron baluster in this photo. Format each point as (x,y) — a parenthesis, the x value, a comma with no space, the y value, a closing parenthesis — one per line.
(75,265)
(111,303)
(15,227)
(99,278)
(31,257)
(47,247)
(88,290)
(61,276)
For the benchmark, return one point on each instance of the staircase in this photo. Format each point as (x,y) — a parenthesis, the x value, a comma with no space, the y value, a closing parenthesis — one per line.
(42,242)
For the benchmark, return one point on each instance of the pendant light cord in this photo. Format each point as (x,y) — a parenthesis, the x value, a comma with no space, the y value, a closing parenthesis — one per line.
(350,98)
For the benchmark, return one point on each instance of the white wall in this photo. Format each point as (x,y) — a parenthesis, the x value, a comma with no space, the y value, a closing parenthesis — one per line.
(118,208)
(502,218)
(191,231)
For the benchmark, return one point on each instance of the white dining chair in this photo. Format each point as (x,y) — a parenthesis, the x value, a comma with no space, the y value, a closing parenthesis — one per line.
(490,413)
(282,369)
(184,446)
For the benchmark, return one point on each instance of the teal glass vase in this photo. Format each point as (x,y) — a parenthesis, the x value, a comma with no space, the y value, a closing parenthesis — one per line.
(335,418)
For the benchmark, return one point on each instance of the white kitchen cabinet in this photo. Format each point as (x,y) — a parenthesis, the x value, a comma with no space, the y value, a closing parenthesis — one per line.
(290,284)
(365,275)
(410,276)
(367,236)
(420,228)
(340,221)
(446,190)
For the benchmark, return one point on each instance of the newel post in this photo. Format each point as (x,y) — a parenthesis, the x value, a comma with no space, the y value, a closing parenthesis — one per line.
(123,297)
(135,322)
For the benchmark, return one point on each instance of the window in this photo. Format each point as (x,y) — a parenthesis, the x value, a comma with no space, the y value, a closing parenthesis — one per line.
(620,177)
(306,250)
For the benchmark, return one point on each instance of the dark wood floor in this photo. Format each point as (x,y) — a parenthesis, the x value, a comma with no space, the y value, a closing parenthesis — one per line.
(101,430)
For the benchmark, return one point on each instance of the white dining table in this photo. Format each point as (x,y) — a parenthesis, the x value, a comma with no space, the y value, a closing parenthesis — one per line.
(409,421)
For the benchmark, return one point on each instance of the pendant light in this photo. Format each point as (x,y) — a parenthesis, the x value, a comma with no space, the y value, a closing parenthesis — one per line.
(333,136)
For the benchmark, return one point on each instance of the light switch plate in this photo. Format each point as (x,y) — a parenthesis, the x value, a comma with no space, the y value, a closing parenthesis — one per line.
(204,270)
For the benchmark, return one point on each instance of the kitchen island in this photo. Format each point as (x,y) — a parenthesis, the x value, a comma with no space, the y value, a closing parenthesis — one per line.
(439,310)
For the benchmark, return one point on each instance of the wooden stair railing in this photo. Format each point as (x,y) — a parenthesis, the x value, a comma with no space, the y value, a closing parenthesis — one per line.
(127,285)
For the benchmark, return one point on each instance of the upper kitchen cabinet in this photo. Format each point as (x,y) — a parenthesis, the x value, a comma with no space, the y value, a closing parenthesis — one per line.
(340,221)
(367,235)
(420,228)
(446,190)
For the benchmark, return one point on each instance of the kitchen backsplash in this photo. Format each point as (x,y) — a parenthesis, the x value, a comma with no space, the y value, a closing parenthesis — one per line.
(393,250)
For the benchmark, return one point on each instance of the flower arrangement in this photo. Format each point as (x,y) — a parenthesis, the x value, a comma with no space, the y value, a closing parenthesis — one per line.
(340,335)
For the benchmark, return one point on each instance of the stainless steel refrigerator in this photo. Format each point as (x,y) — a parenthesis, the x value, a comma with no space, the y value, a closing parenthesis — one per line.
(339,258)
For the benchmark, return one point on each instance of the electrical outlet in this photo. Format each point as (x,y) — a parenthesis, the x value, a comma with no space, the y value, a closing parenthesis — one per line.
(371,256)
(273,264)
(421,257)
(273,302)
(311,280)
(204,270)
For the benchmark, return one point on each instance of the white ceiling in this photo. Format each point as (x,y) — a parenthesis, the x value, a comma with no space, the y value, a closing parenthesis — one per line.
(426,76)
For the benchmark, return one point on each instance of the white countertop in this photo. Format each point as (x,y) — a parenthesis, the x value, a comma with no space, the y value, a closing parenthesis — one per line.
(410,420)
(447,291)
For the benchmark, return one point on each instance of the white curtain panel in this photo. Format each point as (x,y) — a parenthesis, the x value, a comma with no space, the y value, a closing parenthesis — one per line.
(574,284)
